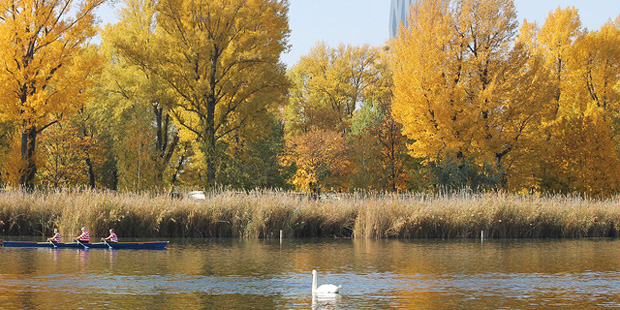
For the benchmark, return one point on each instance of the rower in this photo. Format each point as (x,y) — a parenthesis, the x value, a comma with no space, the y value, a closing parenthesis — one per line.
(56,238)
(84,237)
(112,238)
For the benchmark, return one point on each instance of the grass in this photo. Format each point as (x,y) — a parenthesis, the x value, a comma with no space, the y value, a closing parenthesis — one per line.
(262,214)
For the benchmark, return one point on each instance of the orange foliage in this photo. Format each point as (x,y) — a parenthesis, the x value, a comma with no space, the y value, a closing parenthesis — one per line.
(320,158)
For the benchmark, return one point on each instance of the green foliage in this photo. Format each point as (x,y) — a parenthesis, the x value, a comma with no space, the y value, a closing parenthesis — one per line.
(367,117)
(254,164)
(455,173)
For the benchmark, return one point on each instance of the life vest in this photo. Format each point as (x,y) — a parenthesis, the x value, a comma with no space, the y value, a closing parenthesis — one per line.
(56,238)
(84,236)
(113,237)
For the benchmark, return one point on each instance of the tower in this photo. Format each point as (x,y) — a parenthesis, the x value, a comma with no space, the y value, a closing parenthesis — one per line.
(399,10)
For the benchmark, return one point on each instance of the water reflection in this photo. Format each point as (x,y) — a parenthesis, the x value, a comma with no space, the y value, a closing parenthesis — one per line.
(427,274)
(112,257)
(83,258)
(325,301)
(55,253)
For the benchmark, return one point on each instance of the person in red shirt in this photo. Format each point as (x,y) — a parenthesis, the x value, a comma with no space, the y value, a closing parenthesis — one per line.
(56,238)
(112,238)
(84,237)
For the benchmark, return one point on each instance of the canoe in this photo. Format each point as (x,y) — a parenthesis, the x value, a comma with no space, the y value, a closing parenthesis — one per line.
(98,245)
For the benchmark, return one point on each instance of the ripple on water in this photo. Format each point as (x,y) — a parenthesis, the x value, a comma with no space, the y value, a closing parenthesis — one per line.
(385,274)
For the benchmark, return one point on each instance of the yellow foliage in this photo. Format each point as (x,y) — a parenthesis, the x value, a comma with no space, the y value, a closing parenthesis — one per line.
(330,83)
(46,66)
(453,76)
(63,164)
(12,163)
(219,59)
(583,138)
(541,107)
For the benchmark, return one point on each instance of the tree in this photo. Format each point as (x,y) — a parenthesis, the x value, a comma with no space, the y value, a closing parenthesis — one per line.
(379,157)
(379,152)
(68,158)
(318,158)
(46,66)
(329,84)
(219,58)
(333,91)
(462,88)
(556,37)
(7,130)
(583,136)
(580,135)
(251,159)
(138,103)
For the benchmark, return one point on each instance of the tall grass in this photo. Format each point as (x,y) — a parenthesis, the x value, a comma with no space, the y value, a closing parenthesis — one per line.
(262,214)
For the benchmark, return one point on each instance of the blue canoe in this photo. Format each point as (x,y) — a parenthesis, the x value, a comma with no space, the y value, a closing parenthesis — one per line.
(99,245)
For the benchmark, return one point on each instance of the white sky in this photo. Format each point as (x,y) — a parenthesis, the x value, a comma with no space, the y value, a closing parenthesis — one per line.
(360,22)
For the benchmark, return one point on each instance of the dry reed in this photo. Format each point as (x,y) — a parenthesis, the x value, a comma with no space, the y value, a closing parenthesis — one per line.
(262,214)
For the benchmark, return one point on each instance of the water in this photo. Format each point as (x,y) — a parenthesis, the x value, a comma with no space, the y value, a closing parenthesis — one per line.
(264,274)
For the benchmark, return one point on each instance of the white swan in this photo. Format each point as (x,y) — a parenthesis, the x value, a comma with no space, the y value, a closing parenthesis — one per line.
(325,288)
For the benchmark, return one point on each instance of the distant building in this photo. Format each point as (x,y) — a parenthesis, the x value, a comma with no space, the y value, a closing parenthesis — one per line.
(399,11)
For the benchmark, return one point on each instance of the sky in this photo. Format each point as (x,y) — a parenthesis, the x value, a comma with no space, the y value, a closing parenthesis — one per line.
(359,22)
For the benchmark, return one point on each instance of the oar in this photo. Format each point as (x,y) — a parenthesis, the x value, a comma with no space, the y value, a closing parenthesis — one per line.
(106,242)
(82,244)
(50,241)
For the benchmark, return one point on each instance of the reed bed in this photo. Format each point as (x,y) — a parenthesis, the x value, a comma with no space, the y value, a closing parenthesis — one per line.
(262,214)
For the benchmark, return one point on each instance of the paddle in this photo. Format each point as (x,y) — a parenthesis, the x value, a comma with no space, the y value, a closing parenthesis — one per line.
(51,242)
(106,242)
(82,244)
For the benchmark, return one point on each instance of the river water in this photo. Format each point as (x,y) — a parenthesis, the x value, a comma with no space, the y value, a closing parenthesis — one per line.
(267,274)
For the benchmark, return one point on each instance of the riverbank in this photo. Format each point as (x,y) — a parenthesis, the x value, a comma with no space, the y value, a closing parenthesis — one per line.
(263,214)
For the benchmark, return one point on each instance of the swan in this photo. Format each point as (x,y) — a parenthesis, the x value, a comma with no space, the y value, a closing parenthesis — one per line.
(325,288)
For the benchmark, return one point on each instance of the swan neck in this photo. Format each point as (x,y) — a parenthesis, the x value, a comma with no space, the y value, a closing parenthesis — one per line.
(313,281)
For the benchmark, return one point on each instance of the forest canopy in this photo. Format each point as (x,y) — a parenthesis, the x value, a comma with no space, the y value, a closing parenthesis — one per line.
(192,94)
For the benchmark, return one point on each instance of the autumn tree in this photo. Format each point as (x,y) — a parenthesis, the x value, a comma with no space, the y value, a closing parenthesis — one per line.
(378,149)
(46,67)
(69,157)
(138,103)
(462,88)
(318,158)
(251,159)
(593,113)
(582,137)
(328,85)
(220,59)
(7,130)
(378,152)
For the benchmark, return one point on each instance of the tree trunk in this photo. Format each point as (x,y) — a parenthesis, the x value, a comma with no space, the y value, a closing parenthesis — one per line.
(210,144)
(29,139)
(210,130)
(114,178)
(160,144)
(91,173)
(164,148)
